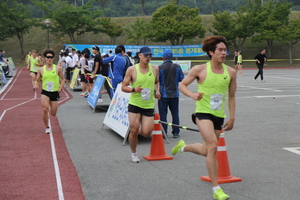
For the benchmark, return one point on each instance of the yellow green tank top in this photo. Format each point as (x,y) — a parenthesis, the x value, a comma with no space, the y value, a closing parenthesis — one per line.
(240,59)
(145,99)
(50,79)
(33,61)
(214,87)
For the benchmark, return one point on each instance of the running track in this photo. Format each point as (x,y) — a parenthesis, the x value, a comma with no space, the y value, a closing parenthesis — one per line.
(33,165)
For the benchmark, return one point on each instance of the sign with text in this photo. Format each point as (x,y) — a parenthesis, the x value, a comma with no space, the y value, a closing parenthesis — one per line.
(178,50)
(74,78)
(117,114)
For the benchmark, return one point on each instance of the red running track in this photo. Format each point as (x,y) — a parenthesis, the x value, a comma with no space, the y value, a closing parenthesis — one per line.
(33,165)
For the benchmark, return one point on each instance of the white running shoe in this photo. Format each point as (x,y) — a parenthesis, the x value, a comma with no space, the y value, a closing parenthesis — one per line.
(135,158)
(48,130)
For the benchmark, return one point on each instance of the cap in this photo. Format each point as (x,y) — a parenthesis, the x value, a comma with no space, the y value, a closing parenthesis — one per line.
(168,54)
(96,48)
(70,54)
(145,50)
(103,54)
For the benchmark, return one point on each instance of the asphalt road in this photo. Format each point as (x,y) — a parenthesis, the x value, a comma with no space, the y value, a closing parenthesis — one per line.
(267,120)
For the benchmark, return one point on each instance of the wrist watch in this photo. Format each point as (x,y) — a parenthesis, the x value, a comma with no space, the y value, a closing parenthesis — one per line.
(133,90)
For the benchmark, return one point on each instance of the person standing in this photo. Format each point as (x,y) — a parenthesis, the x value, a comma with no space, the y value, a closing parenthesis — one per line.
(240,63)
(235,58)
(52,84)
(260,60)
(119,63)
(97,62)
(170,74)
(143,78)
(213,79)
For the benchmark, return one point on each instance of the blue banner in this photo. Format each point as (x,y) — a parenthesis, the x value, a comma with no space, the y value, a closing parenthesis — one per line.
(178,51)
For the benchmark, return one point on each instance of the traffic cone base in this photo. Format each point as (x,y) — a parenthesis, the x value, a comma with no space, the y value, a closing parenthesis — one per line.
(224,175)
(221,180)
(157,151)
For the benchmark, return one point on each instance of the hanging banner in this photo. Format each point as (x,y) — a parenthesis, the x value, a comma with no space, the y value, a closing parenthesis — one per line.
(157,50)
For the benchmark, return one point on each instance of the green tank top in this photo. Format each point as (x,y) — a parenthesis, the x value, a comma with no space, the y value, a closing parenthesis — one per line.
(214,87)
(50,79)
(33,67)
(145,99)
(240,59)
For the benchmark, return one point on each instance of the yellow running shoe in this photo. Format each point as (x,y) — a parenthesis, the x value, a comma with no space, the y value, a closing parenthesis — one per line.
(220,195)
(177,148)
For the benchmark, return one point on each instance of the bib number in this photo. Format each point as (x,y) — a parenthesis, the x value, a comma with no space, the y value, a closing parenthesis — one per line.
(50,86)
(216,101)
(145,93)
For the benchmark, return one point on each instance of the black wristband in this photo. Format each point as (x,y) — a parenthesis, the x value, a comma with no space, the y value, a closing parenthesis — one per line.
(133,90)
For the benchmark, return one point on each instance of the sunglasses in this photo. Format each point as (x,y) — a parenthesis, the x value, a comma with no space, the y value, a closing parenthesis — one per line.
(49,57)
(149,55)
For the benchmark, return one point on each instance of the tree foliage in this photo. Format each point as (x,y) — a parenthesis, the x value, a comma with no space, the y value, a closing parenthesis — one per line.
(176,24)
(15,21)
(138,31)
(112,29)
(70,19)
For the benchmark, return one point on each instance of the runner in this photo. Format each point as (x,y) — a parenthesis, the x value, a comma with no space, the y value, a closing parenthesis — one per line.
(52,84)
(143,78)
(214,79)
(33,66)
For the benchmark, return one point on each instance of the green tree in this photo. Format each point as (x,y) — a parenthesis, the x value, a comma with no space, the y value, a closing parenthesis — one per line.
(290,35)
(274,15)
(69,19)
(212,5)
(176,24)
(16,20)
(112,29)
(137,31)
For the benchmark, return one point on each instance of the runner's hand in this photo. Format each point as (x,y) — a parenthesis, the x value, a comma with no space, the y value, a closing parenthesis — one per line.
(228,125)
(197,96)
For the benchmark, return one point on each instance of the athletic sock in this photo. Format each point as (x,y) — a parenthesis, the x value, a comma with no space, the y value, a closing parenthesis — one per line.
(182,148)
(215,188)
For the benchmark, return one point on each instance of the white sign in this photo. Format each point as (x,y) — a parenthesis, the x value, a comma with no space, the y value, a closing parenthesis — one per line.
(117,114)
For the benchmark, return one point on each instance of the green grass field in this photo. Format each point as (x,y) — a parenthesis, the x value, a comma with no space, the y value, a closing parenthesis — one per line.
(37,39)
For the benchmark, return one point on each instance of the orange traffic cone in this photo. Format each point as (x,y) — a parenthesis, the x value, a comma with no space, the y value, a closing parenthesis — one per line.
(224,175)
(157,151)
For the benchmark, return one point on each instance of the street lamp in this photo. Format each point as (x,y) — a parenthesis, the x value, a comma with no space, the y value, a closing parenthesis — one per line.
(47,22)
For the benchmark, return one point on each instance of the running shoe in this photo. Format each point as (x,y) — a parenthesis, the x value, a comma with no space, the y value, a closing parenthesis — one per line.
(176,135)
(48,130)
(220,195)
(86,96)
(82,94)
(177,148)
(135,158)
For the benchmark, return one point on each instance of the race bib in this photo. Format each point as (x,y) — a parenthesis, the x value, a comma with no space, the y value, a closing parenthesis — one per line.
(146,94)
(216,101)
(49,86)
(35,69)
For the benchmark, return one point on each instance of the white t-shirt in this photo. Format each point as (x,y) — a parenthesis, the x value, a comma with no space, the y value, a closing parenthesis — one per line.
(69,62)
(81,63)
(75,59)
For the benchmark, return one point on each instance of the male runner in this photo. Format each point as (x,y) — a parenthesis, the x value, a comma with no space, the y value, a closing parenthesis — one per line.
(143,78)
(52,84)
(214,79)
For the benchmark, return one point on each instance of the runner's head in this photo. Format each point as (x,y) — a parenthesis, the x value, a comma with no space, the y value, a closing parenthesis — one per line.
(47,52)
(49,56)
(209,45)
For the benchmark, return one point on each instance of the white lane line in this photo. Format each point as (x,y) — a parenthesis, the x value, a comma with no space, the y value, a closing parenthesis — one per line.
(295,150)
(2,115)
(15,78)
(56,167)
(260,88)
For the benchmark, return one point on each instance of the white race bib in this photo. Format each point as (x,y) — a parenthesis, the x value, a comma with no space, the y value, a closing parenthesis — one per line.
(50,86)
(216,101)
(35,69)
(146,94)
